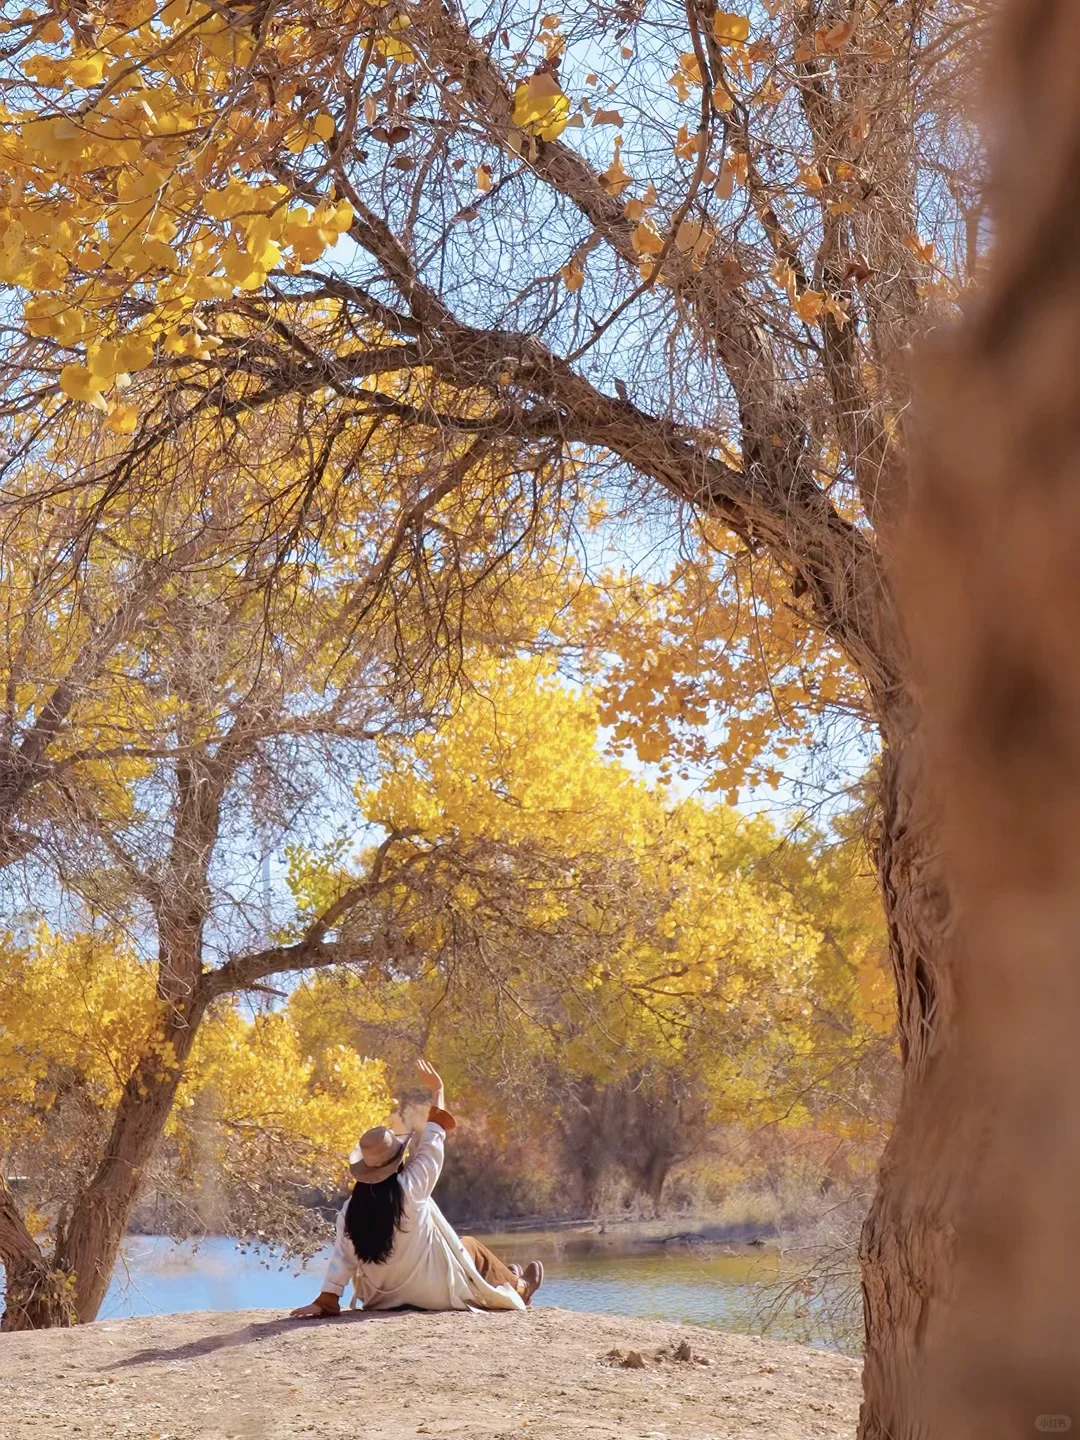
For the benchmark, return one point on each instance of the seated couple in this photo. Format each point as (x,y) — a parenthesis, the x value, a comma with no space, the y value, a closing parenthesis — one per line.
(394,1243)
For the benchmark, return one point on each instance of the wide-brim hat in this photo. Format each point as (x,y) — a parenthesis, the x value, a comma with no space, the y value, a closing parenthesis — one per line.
(378,1154)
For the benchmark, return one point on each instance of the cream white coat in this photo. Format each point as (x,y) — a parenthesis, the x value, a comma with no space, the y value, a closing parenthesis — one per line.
(428,1266)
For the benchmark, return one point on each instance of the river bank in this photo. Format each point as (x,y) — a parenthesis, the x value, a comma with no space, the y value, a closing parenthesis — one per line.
(249,1375)
(620,1231)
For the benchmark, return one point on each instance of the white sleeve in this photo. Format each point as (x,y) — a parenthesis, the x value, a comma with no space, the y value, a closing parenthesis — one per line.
(343,1261)
(423,1170)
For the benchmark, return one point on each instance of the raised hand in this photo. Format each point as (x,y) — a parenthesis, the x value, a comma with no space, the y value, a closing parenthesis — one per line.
(431,1080)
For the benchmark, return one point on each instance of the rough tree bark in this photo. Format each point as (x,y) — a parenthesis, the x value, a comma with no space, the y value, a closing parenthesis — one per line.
(905,1250)
(36,1293)
(88,1244)
(992,591)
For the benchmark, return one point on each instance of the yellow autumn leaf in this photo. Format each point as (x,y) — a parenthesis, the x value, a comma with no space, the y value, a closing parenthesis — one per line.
(573,276)
(324,126)
(122,419)
(834,39)
(737,164)
(540,107)
(102,361)
(694,235)
(391,48)
(616,177)
(923,249)
(58,139)
(77,382)
(725,185)
(808,306)
(730,29)
(340,217)
(646,239)
(687,145)
(681,84)
(87,70)
(721,97)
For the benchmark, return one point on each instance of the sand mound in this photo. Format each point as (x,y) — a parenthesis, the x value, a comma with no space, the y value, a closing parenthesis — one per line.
(550,1373)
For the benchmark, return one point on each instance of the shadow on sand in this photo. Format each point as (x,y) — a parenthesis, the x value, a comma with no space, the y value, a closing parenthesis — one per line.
(246,1335)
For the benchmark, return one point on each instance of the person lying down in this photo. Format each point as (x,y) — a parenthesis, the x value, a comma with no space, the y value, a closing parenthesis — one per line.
(394,1243)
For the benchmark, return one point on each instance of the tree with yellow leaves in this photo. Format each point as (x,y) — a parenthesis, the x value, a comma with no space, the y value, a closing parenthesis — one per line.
(262,657)
(256,1120)
(647,969)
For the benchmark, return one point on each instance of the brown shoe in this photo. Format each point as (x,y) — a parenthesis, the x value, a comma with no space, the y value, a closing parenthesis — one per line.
(533,1279)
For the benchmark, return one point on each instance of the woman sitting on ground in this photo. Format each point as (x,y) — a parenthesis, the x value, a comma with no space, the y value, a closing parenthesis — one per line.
(394,1243)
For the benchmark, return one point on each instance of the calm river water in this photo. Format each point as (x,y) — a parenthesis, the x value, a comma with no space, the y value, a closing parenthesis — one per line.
(689,1283)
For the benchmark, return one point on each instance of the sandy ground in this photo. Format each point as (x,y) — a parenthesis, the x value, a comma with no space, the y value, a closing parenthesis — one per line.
(548,1374)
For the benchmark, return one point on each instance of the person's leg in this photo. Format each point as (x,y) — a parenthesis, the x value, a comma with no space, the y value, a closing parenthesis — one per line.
(495,1272)
(490,1266)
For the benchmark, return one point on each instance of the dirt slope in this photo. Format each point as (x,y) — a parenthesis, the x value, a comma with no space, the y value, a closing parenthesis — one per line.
(547,1374)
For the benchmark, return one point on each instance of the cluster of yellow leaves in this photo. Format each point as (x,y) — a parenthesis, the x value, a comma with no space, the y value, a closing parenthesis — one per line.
(711,671)
(809,304)
(260,1079)
(129,176)
(78,1013)
(518,733)
(728,965)
(730,29)
(78,1006)
(731,33)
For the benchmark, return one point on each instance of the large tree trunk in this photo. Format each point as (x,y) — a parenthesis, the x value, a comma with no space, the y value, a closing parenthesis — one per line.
(905,1251)
(89,1244)
(88,1247)
(655,1182)
(993,597)
(70,1288)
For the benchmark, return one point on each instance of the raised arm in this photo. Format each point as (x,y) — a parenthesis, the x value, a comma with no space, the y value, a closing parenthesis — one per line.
(421,1174)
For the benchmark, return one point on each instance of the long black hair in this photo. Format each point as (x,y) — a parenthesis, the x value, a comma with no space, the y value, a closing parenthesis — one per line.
(373,1218)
